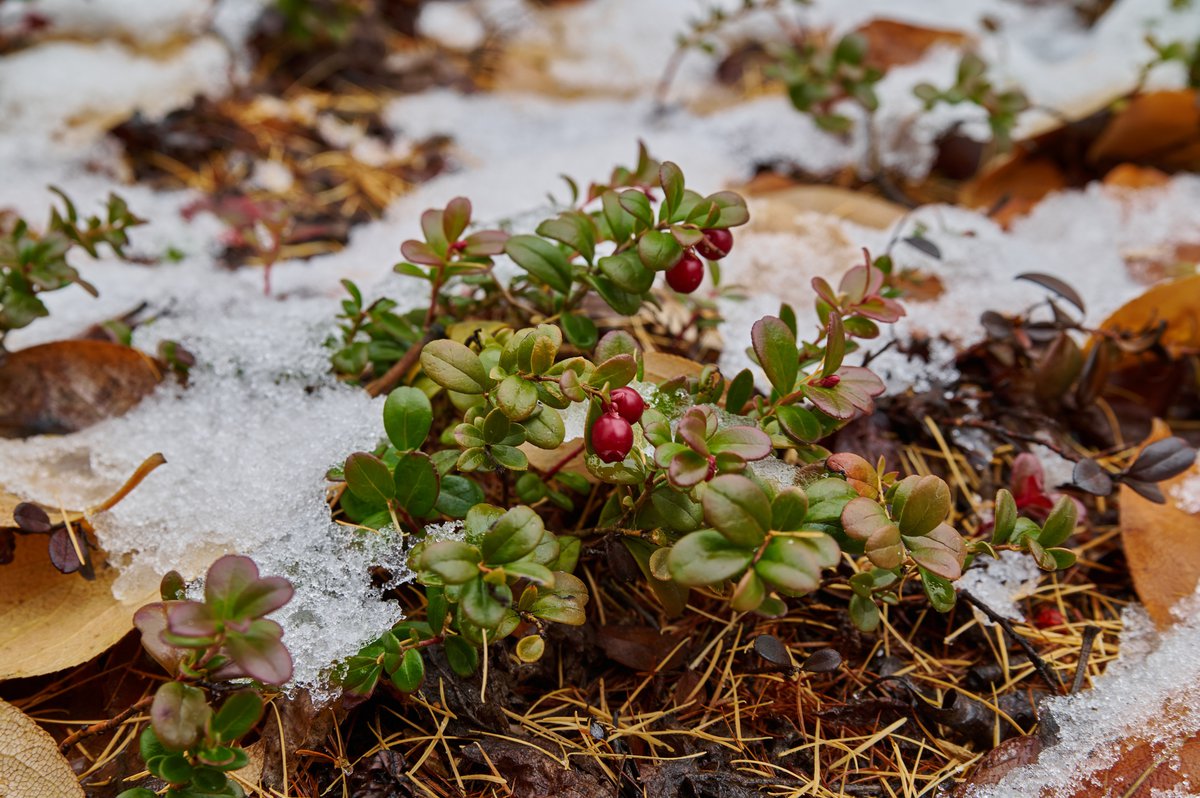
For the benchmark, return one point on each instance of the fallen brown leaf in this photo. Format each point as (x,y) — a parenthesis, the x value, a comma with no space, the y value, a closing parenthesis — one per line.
(780,207)
(1162,544)
(1160,129)
(49,620)
(893,43)
(30,764)
(530,773)
(1128,175)
(642,648)
(1012,188)
(68,385)
(1142,770)
(1176,302)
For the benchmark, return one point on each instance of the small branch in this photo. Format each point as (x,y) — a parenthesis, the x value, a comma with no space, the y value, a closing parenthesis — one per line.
(568,457)
(1050,677)
(104,725)
(1085,652)
(1012,435)
(392,377)
(149,464)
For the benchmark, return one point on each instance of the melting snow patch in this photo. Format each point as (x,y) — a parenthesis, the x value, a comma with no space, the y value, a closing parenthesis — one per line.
(247,445)
(1148,695)
(1000,583)
(1187,494)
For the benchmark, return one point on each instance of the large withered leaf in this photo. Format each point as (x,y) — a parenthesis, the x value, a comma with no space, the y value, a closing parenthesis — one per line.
(69,385)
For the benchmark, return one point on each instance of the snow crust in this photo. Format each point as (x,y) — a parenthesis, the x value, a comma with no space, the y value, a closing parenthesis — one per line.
(1187,494)
(1148,694)
(1000,583)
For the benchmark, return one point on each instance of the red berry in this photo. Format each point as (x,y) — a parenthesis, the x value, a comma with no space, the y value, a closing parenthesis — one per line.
(1047,617)
(612,437)
(629,403)
(686,276)
(715,244)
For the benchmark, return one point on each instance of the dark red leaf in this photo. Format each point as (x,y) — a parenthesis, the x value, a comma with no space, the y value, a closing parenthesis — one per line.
(31,518)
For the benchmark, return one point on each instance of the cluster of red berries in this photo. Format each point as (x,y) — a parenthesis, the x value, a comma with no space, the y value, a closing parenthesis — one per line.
(612,434)
(685,276)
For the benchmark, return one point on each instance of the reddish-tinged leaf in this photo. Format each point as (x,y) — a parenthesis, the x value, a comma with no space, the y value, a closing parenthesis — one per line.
(942,551)
(881,309)
(884,548)
(863,517)
(484,243)
(748,443)
(455,218)
(190,619)
(261,598)
(420,252)
(259,652)
(687,469)
(227,577)
(31,518)
(64,555)
(693,428)
(857,471)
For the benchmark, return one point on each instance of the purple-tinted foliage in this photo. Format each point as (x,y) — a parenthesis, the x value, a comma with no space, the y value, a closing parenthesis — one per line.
(260,653)
(191,619)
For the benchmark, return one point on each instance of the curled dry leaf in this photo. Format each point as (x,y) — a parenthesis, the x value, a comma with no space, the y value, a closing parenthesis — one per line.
(30,763)
(68,385)
(1158,129)
(1162,544)
(1013,187)
(52,621)
(1177,303)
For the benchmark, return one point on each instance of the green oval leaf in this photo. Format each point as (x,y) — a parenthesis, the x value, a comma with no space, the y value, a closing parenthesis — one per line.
(1060,523)
(417,483)
(799,423)
(790,566)
(407,417)
(517,397)
(514,535)
(940,591)
(543,260)
(788,509)
(706,558)
(1006,517)
(926,504)
(775,347)
(411,673)
(658,250)
(454,367)
(369,479)
(738,509)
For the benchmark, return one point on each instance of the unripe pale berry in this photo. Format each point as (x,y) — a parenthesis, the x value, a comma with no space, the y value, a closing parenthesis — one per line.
(715,244)
(612,437)
(629,404)
(686,276)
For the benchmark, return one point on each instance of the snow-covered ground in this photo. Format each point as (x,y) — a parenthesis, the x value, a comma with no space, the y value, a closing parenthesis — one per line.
(248,443)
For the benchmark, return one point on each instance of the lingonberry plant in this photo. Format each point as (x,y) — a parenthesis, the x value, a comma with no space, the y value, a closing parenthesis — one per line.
(972,85)
(818,77)
(33,262)
(226,637)
(688,468)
